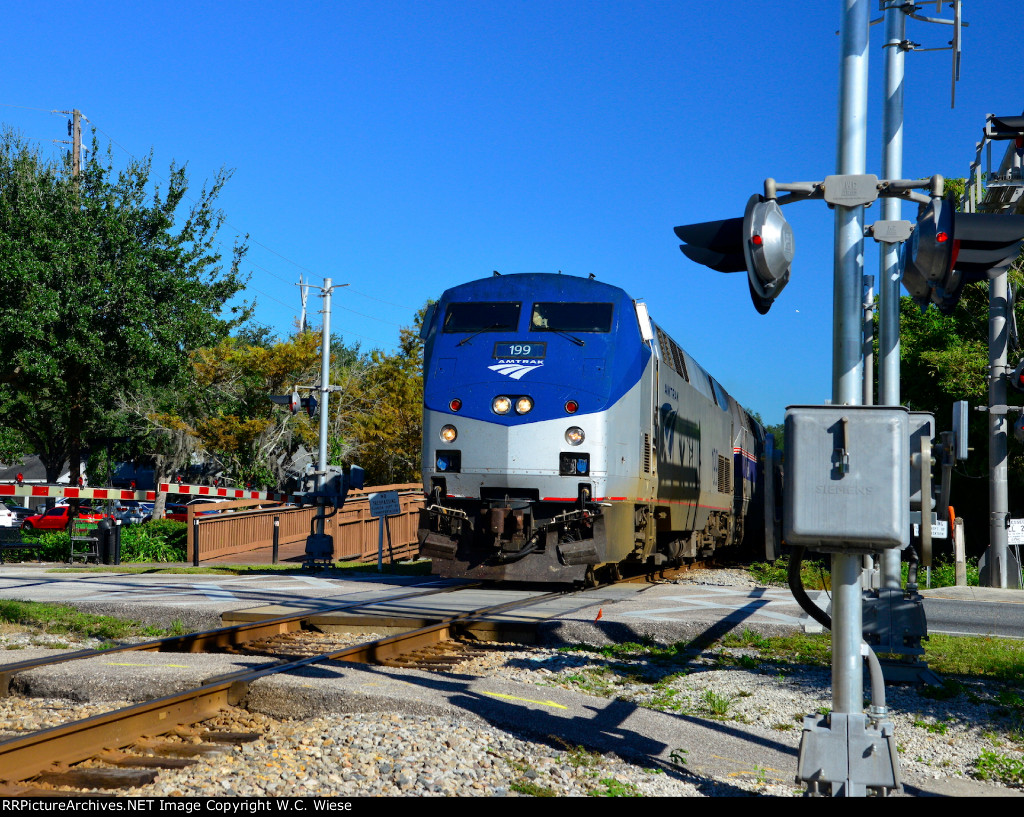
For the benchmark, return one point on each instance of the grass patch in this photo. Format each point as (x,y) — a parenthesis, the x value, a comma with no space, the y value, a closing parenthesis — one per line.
(998,658)
(531,789)
(816,574)
(935,727)
(999,768)
(614,788)
(718,705)
(979,656)
(61,619)
(580,757)
(598,681)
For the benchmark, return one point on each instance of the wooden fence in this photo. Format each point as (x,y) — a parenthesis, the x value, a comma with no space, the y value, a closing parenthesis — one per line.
(354,530)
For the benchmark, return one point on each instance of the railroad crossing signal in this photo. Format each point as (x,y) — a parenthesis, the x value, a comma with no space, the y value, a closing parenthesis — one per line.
(761,243)
(1016,379)
(949,250)
(292,401)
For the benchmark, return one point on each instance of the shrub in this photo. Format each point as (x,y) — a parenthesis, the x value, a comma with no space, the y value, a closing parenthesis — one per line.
(55,545)
(163,540)
(173,532)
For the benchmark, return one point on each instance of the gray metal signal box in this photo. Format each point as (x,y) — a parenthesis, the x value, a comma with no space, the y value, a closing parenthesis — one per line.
(848,480)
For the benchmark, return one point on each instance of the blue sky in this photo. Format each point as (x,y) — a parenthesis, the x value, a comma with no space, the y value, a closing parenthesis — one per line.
(405,147)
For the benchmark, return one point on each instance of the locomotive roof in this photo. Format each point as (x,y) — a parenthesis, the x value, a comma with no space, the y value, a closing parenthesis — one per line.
(538,285)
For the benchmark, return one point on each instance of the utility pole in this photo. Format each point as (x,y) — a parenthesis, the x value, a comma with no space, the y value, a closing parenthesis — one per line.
(325,387)
(75,132)
(76,142)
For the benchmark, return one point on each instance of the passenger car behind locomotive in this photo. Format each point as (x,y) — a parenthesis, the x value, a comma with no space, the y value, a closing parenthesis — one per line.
(565,433)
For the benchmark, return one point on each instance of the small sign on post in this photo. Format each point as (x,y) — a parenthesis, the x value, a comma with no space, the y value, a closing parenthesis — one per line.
(1015,532)
(382,505)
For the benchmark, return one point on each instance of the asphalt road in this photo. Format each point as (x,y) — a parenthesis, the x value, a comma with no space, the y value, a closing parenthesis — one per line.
(962,617)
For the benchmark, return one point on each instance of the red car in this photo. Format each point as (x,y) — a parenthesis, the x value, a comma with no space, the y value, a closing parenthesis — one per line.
(176,512)
(58,518)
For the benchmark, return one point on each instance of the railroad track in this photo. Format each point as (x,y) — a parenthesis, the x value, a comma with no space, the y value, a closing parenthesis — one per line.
(127,747)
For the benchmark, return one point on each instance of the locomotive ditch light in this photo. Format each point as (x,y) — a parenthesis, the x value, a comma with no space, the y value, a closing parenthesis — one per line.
(574,435)
(761,243)
(449,433)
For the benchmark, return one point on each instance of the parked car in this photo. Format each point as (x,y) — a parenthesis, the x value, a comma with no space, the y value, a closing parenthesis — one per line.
(176,511)
(58,518)
(133,512)
(19,511)
(7,517)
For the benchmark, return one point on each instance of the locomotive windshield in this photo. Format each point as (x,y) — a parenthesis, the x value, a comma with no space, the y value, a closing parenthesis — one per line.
(571,317)
(482,316)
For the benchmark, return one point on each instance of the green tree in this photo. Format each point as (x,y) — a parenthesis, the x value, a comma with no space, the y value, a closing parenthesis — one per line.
(253,438)
(107,291)
(389,428)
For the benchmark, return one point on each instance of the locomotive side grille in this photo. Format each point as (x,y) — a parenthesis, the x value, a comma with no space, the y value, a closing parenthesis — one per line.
(666,349)
(645,455)
(680,362)
(672,354)
(724,475)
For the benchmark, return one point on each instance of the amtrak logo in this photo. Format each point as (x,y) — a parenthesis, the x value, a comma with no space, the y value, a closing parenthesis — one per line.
(513,369)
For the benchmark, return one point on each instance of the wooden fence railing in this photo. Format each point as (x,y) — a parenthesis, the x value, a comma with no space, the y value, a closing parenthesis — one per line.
(354,530)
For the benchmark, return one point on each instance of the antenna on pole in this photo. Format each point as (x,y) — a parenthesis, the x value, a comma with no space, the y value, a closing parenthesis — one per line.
(954,43)
(303,294)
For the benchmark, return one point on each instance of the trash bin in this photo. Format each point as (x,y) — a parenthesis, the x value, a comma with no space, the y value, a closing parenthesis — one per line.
(103,541)
(115,543)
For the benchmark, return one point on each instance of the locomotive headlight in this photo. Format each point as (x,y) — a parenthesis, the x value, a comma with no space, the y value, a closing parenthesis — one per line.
(501,405)
(523,405)
(448,433)
(574,435)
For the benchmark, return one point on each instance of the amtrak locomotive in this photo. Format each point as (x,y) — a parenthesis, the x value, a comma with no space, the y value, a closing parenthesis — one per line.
(566,435)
